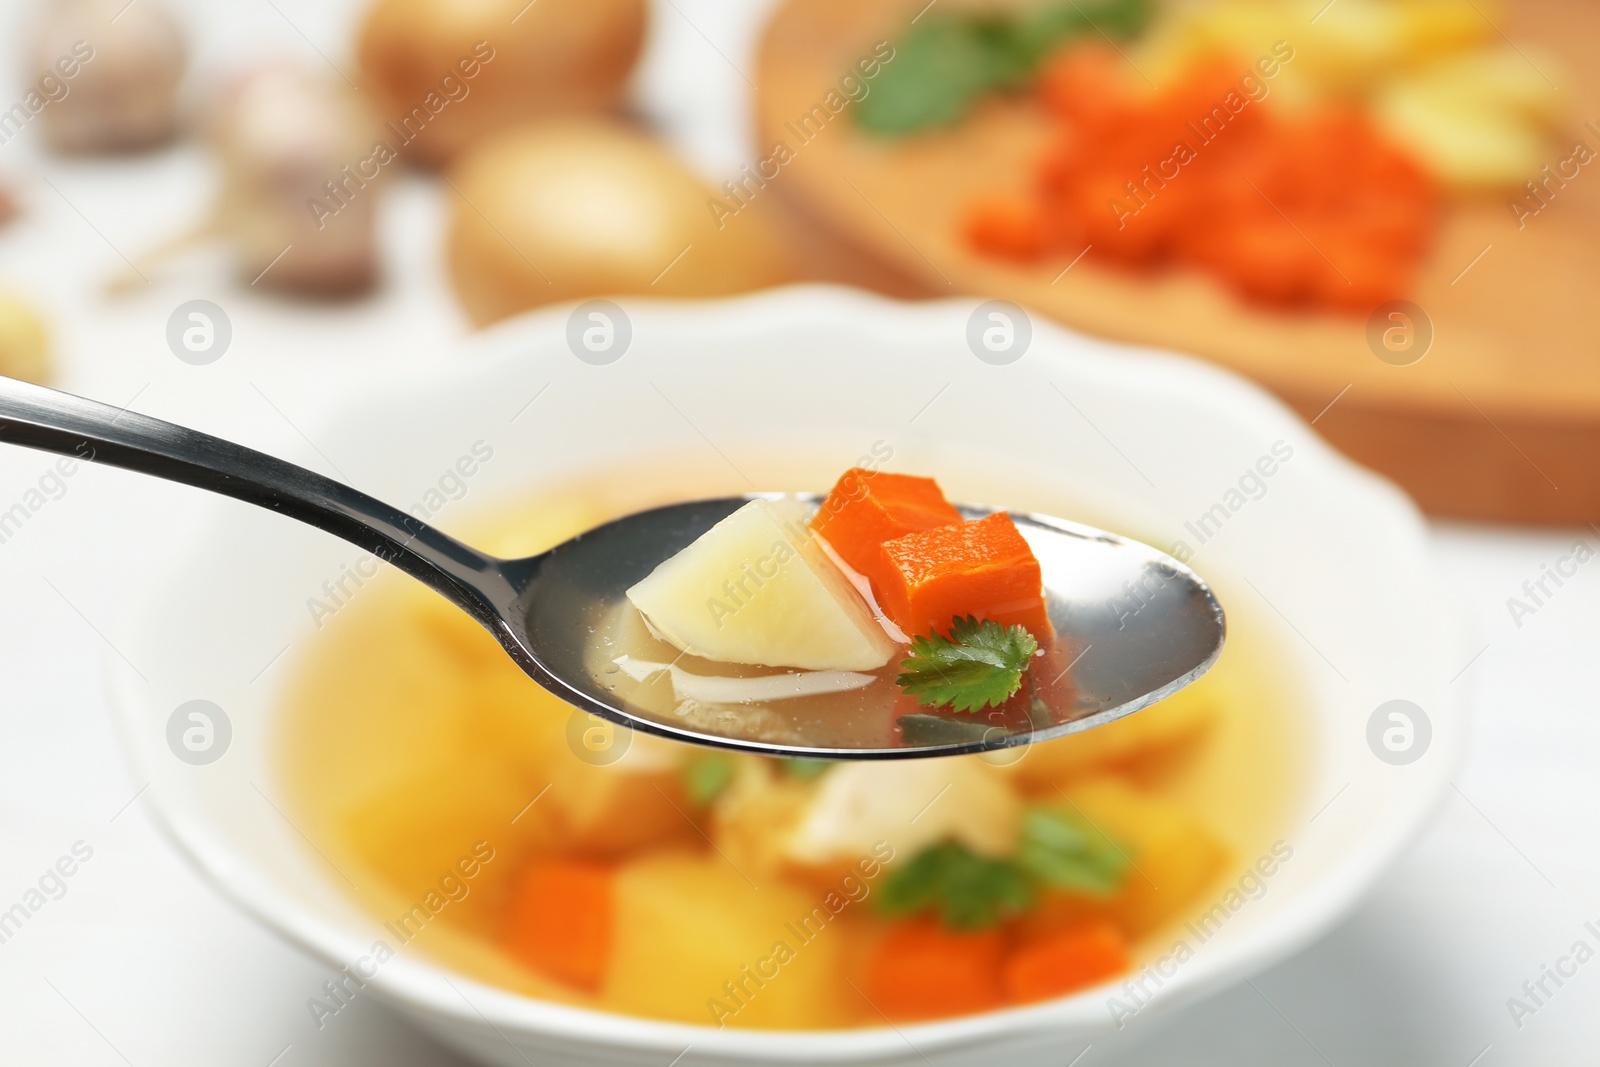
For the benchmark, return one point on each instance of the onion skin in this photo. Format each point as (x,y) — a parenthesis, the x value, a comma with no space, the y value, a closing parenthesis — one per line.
(558,56)
(575,209)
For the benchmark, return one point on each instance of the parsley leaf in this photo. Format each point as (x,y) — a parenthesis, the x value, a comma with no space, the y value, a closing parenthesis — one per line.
(1056,850)
(978,665)
(1059,850)
(706,775)
(968,891)
(805,768)
(947,62)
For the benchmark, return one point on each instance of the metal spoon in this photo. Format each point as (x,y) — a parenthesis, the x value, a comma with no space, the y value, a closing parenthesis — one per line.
(1132,624)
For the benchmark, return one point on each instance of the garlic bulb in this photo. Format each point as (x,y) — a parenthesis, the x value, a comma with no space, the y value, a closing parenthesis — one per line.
(301,169)
(105,75)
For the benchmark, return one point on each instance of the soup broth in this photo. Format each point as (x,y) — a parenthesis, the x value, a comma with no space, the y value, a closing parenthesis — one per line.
(486,824)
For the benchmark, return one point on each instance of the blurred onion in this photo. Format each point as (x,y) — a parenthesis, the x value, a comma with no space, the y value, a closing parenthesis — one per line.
(508,61)
(580,208)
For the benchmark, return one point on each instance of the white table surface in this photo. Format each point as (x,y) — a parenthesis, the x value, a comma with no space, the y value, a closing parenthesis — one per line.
(141,963)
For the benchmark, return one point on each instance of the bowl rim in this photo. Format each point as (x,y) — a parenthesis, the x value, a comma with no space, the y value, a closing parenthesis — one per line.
(419,984)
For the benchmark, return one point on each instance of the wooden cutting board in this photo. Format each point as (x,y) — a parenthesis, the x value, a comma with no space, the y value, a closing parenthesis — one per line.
(1499,420)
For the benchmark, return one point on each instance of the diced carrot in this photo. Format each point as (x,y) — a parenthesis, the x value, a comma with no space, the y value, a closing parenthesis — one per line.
(1086,83)
(1010,226)
(559,920)
(921,970)
(867,508)
(981,568)
(1310,206)
(1064,962)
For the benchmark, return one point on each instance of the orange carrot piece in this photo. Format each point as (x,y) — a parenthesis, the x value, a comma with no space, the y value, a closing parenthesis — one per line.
(1197,175)
(1065,962)
(922,970)
(559,920)
(867,508)
(1010,226)
(981,568)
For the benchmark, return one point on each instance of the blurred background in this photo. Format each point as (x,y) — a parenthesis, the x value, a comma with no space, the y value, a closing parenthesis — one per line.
(224,215)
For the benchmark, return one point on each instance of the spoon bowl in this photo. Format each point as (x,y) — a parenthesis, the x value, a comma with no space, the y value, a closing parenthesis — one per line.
(1133,625)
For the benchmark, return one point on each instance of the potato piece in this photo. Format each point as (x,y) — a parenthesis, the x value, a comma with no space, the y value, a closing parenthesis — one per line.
(24,340)
(1436,27)
(1478,120)
(594,808)
(1356,42)
(1503,80)
(756,588)
(694,942)
(1178,720)
(419,829)
(1174,856)
(1465,144)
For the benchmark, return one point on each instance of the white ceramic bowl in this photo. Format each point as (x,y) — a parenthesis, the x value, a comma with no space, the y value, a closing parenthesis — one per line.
(786,389)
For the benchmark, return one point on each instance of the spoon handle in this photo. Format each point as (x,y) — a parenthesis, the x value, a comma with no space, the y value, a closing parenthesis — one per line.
(54,421)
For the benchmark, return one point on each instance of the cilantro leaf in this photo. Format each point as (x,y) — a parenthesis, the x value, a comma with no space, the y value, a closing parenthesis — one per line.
(967,890)
(805,768)
(947,62)
(980,664)
(1059,850)
(706,775)
(1056,850)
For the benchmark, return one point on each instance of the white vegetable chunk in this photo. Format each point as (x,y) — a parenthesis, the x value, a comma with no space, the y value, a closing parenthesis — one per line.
(910,804)
(757,588)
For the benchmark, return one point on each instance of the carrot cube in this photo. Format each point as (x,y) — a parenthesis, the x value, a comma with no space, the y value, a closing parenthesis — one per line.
(867,508)
(923,971)
(981,568)
(560,920)
(1065,962)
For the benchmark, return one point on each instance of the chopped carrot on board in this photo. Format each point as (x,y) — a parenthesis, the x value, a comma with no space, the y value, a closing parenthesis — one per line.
(921,970)
(1064,962)
(1007,226)
(1290,206)
(559,921)
(981,568)
(867,508)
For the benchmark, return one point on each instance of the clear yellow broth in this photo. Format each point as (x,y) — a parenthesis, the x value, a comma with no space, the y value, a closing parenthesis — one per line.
(426,768)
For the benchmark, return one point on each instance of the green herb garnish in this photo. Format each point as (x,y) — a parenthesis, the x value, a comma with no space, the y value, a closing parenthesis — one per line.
(705,776)
(969,892)
(980,664)
(947,62)
(1061,851)
(805,768)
